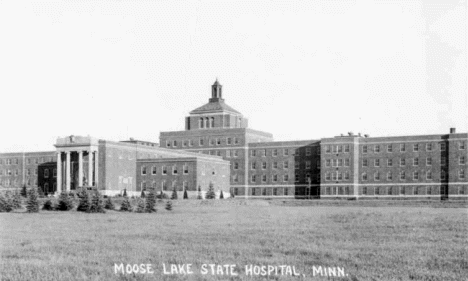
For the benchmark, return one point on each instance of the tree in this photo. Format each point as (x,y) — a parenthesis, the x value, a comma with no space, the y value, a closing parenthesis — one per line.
(64,202)
(140,205)
(5,204)
(210,193)
(126,206)
(16,201)
(40,192)
(169,205)
(151,201)
(109,205)
(199,194)
(48,205)
(32,204)
(97,204)
(83,205)
(221,195)
(185,194)
(125,192)
(142,194)
(24,191)
(174,194)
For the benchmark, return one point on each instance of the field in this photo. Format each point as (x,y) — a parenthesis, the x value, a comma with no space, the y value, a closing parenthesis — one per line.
(368,240)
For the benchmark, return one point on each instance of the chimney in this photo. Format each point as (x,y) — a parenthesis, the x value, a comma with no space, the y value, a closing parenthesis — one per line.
(350,134)
(366,135)
(359,134)
(452,130)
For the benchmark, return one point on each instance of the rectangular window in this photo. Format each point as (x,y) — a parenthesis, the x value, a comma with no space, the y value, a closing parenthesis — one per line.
(346,162)
(275,191)
(174,170)
(402,162)
(253,178)
(253,153)
(377,176)
(429,161)
(236,141)
(402,175)
(264,153)
(428,146)
(308,151)
(229,141)
(28,172)
(429,175)
(218,141)
(389,162)
(275,152)
(190,142)
(285,152)
(236,191)
(462,145)
(236,153)
(164,170)
(335,148)
(308,165)
(346,148)
(264,178)
(340,162)
(174,143)
(377,148)
(389,148)
(415,175)
(286,191)
(153,170)
(443,161)
(274,178)
(415,147)
(364,149)
(346,175)
(327,162)
(296,165)
(286,165)
(285,178)
(275,165)
(296,178)
(402,147)
(202,142)
(16,172)
(389,176)
(416,161)
(443,146)
(327,149)
(340,149)
(236,165)
(461,174)
(443,175)
(462,160)
(235,178)
(253,165)
(364,162)
(228,154)
(364,190)
(185,143)
(327,176)
(185,169)
(168,143)
(264,165)
(46,173)
(364,176)
(212,141)
(377,162)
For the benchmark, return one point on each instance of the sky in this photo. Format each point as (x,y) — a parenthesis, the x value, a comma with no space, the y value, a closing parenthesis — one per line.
(297,69)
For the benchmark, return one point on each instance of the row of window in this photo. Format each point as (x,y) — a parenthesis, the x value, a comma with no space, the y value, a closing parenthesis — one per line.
(15,182)
(275,152)
(262,191)
(415,161)
(201,142)
(416,175)
(29,172)
(390,190)
(164,185)
(415,147)
(275,165)
(164,169)
(29,161)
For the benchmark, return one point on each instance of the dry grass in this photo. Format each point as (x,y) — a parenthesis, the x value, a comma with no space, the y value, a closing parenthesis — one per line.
(370,242)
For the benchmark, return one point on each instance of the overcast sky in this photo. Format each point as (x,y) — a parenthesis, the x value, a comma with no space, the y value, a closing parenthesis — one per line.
(297,69)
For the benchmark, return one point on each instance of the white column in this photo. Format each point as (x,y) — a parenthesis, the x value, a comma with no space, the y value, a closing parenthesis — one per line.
(68,180)
(96,166)
(90,168)
(59,172)
(80,168)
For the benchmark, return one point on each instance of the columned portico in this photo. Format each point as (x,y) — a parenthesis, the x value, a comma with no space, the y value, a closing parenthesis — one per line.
(59,172)
(90,168)
(67,177)
(80,168)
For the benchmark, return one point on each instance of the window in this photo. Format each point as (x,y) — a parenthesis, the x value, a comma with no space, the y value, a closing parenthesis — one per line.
(253,153)
(218,141)
(274,178)
(275,191)
(8,173)
(402,175)
(190,142)
(308,165)
(228,154)
(229,141)
(428,146)
(17,161)
(202,142)
(17,172)
(415,175)
(443,146)
(174,143)
(168,143)
(185,143)
(236,191)
(235,178)
(236,153)
(275,165)
(308,151)
(402,162)
(212,124)
(462,145)
(264,165)
(389,148)
(364,190)
(286,191)
(28,172)
(285,178)
(327,149)
(200,123)
(54,173)
(429,175)
(461,174)
(443,175)
(212,141)
(364,162)
(389,162)
(377,176)
(236,141)
(153,170)
(415,147)
(253,178)
(377,162)
(377,148)
(253,165)
(346,162)
(296,165)
(443,161)
(236,165)
(275,152)
(340,149)
(429,161)
(340,162)
(174,170)
(297,178)
(46,173)
(364,176)
(462,160)
(263,191)
(185,169)
(327,176)
(286,165)
(164,170)
(346,175)
(327,162)
(346,148)
(264,178)
(389,176)
(416,161)
(364,149)
(264,152)
(28,161)
(285,152)
(402,147)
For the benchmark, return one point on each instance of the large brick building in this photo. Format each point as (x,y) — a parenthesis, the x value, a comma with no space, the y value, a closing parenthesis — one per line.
(218,147)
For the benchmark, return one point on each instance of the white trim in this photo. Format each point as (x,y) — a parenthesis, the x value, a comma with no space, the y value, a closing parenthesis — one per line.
(397,184)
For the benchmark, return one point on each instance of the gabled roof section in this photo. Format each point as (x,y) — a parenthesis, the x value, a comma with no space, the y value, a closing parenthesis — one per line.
(218,106)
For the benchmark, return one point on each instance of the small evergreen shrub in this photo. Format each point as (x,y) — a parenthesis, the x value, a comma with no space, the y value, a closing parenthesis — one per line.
(32,204)
(169,205)
(48,205)
(40,192)
(142,194)
(221,195)
(125,192)
(97,205)
(140,205)
(185,194)
(5,204)
(126,206)
(16,201)
(64,202)
(84,204)
(174,194)
(151,201)
(210,193)
(109,205)
(24,191)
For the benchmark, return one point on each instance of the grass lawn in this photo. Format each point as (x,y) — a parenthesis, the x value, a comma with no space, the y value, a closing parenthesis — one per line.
(371,241)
